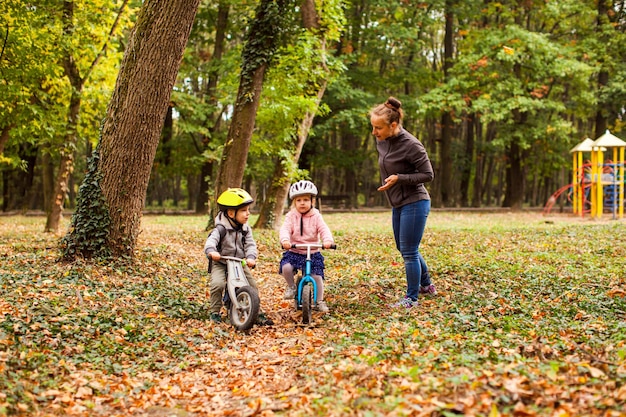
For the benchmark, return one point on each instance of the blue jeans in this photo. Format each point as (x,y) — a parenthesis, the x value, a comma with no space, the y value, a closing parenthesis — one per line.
(408,223)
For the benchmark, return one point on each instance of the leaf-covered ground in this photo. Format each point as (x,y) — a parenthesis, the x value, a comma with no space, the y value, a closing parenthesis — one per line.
(530,320)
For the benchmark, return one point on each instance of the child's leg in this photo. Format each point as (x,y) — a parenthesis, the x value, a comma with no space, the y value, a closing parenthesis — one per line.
(288,274)
(216,287)
(321,304)
(250,278)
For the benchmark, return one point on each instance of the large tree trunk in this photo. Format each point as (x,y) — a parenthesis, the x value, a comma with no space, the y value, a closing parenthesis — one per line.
(261,43)
(237,145)
(135,116)
(136,113)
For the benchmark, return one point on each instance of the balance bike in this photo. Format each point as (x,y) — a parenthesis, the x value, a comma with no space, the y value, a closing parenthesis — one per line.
(241,300)
(306,294)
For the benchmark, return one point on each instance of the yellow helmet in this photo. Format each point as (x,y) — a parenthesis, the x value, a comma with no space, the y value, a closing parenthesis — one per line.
(234,198)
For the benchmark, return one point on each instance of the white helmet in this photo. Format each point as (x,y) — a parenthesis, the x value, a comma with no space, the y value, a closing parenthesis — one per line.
(302,187)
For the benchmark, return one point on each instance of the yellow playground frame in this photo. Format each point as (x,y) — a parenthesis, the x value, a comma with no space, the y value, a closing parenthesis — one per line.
(597,175)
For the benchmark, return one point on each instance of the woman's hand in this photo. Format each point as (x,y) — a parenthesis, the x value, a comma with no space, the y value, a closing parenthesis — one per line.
(390,181)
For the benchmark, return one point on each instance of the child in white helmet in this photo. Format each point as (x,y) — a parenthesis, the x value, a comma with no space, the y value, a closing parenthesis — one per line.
(304,225)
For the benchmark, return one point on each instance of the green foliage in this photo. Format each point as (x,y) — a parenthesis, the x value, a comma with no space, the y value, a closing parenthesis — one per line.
(262,39)
(89,232)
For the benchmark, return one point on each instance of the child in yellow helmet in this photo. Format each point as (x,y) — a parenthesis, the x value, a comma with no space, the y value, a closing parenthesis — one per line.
(232,236)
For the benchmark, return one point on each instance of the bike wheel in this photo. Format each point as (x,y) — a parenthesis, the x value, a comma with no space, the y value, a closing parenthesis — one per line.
(243,318)
(307,303)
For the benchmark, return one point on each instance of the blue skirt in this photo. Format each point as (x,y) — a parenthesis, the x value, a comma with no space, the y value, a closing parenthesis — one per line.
(297,261)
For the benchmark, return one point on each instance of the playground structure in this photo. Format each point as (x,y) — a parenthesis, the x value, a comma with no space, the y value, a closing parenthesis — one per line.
(597,183)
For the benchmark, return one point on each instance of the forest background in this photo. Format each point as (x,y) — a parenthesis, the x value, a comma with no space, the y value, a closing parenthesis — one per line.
(529,318)
(498,92)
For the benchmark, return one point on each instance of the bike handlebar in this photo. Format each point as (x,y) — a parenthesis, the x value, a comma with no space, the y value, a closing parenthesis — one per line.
(231,258)
(312,246)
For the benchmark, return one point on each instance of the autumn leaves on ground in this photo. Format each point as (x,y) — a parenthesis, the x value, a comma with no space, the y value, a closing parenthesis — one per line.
(530,320)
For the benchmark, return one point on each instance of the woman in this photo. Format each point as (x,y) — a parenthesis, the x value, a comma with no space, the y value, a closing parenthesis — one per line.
(404,168)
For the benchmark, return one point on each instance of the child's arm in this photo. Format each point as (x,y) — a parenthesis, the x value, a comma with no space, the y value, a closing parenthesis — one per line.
(285,232)
(250,249)
(210,246)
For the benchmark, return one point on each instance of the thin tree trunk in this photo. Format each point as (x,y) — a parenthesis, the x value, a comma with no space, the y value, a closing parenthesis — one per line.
(66,165)
(261,43)
(4,137)
(447,124)
(468,160)
(77,82)
(479,163)
(272,210)
(603,75)
(203,201)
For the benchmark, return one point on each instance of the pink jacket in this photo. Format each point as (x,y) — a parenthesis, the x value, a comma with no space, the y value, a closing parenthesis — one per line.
(314,229)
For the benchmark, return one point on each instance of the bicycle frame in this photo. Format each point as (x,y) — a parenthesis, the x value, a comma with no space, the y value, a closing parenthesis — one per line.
(235,278)
(306,273)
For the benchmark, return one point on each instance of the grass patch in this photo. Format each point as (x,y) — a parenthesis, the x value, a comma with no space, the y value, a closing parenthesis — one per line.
(529,320)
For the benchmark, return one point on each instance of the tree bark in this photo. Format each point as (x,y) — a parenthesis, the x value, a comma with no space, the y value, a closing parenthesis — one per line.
(514,191)
(203,200)
(270,215)
(261,43)
(447,123)
(131,131)
(603,74)
(4,137)
(271,212)
(468,160)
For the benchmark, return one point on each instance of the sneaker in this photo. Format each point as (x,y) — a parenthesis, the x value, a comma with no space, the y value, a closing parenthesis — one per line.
(290,293)
(263,320)
(429,289)
(216,318)
(322,307)
(406,302)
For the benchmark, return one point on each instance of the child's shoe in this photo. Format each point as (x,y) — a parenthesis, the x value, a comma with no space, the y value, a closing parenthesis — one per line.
(429,289)
(406,302)
(322,307)
(290,293)
(216,318)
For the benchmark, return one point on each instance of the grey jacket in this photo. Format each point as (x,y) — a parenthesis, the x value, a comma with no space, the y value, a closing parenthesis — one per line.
(405,156)
(236,242)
